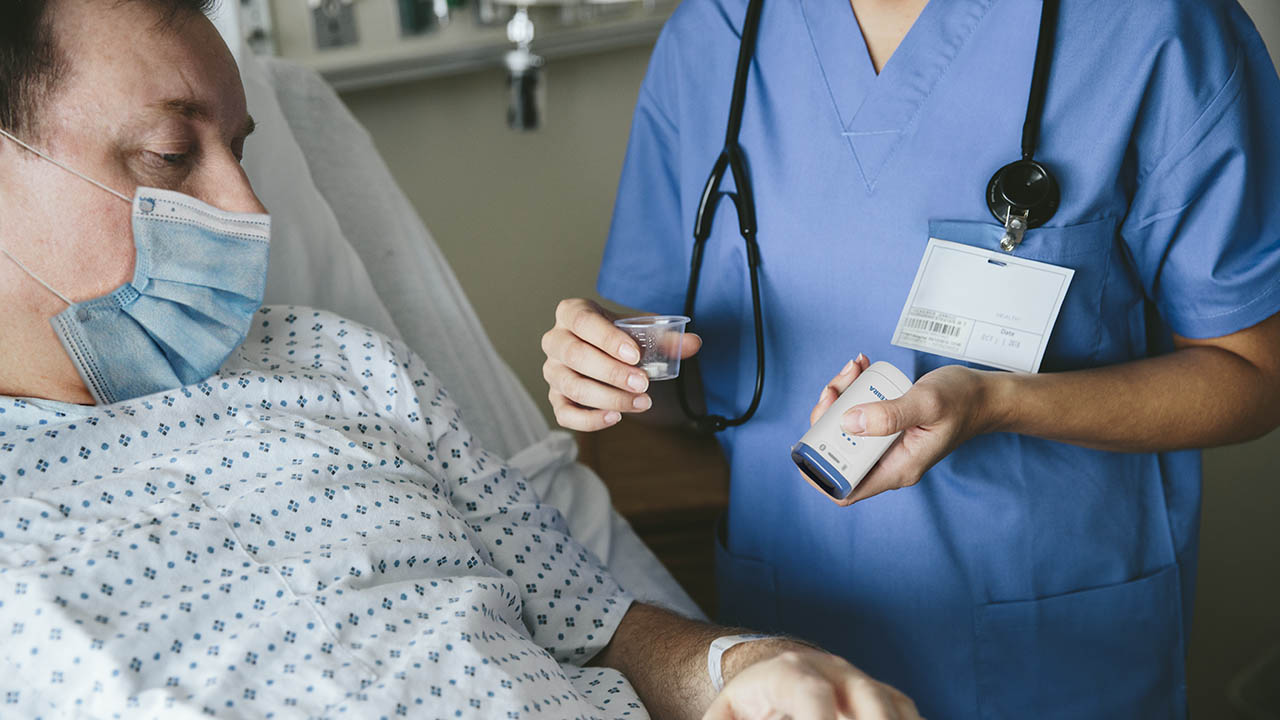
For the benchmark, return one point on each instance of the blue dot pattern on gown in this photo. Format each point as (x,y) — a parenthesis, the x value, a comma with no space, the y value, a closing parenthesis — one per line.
(310,533)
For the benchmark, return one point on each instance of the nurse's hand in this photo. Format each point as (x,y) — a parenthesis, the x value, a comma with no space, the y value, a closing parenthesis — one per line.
(806,684)
(591,367)
(943,409)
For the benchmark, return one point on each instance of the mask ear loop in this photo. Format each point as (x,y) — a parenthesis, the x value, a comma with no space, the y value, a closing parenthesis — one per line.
(78,174)
(36,277)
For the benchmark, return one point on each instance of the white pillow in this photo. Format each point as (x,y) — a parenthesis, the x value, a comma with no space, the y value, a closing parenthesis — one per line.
(318,172)
(312,264)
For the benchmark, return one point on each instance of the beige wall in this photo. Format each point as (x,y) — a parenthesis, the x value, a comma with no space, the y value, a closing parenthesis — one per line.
(523,218)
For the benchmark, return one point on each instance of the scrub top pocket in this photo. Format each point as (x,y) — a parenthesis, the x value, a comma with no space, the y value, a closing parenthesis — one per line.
(1090,249)
(747,588)
(1055,656)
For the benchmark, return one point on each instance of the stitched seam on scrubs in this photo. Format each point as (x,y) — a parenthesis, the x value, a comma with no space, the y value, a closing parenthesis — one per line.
(1232,311)
(1204,111)
(661,112)
(826,82)
(924,101)
(1102,294)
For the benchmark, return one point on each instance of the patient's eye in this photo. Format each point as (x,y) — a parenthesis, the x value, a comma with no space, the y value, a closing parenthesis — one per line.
(166,160)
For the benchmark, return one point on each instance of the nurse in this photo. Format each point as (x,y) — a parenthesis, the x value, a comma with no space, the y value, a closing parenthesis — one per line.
(1040,558)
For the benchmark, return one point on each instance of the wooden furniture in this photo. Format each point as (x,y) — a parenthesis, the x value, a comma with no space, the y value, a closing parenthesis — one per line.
(671,485)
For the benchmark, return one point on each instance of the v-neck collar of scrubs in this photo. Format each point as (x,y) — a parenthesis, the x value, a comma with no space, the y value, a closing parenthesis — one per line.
(877,111)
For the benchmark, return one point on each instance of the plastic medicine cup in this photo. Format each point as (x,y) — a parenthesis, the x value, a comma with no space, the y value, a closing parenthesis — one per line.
(660,338)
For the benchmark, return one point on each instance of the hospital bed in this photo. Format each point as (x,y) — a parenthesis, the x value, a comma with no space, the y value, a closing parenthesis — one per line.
(346,239)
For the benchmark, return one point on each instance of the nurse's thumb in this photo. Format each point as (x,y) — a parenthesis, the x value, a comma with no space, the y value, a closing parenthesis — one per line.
(690,345)
(883,418)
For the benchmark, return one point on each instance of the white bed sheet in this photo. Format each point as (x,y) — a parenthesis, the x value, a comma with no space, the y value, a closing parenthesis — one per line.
(346,239)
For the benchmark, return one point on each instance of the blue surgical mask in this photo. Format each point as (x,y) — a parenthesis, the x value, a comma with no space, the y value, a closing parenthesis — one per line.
(199,278)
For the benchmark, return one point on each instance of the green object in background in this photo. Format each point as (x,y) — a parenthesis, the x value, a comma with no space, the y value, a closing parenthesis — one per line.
(417,16)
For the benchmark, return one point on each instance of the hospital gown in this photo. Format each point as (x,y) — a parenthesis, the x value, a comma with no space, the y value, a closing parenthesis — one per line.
(312,532)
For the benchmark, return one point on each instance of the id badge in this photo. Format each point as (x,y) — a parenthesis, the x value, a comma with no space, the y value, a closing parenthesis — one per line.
(982,306)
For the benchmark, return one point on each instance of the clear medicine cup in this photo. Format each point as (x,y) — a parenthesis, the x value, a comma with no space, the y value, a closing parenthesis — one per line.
(660,338)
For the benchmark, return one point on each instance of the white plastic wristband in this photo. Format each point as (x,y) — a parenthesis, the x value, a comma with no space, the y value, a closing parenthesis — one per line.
(719,647)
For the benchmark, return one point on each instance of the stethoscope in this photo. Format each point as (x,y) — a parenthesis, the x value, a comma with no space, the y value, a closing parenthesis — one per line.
(1021,195)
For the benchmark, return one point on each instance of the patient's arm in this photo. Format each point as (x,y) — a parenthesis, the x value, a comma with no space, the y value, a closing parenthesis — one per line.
(665,658)
(575,610)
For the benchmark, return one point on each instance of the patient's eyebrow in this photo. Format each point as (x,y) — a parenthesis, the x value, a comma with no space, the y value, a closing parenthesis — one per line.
(196,110)
(185,107)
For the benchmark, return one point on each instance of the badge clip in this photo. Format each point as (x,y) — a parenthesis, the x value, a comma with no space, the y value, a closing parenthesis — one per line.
(1015,226)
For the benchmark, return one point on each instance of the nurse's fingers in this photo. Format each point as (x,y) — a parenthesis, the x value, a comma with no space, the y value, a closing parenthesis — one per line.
(918,407)
(566,348)
(592,324)
(906,707)
(897,469)
(838,385)
(692,344)
(589,393)
(573,417)
(685,344)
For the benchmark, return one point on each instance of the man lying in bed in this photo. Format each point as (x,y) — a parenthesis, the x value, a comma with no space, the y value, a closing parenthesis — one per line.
(308,531)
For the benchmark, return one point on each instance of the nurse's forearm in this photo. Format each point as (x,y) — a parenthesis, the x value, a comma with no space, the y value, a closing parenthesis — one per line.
(1194,397)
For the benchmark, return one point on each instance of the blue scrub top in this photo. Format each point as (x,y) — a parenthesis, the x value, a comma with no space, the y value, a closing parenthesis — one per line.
(1021,577)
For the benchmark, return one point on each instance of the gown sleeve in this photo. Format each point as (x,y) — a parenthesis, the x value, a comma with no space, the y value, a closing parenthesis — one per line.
(570,603)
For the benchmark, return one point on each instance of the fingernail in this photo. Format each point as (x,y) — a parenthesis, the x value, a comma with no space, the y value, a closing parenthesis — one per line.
(642,403)
(848,368)
(612,417)
(854,423)
(629,354)
(860,359)
(637,382)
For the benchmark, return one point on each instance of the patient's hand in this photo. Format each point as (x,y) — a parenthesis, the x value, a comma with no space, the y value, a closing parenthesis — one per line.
(804,684)
(591,367)
(664,656)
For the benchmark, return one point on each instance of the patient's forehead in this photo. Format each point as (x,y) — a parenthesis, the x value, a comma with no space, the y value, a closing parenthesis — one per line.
(127,62)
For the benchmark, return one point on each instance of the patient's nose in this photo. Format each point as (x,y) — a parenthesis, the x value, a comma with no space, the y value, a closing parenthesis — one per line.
(230,190)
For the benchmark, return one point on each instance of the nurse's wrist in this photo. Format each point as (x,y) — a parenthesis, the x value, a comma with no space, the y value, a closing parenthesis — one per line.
(998,402)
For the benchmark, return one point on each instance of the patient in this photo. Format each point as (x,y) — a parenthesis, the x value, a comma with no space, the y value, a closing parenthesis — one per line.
(211,508)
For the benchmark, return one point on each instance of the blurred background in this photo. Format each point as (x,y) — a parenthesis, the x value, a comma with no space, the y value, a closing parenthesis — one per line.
(530,212)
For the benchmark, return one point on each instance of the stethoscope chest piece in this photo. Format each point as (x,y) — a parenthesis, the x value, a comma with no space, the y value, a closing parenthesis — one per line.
(1022,195)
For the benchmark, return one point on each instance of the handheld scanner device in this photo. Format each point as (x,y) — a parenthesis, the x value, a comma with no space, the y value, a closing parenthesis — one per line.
(836,461)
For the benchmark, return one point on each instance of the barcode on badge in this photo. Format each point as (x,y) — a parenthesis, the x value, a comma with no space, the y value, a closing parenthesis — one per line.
(932,326)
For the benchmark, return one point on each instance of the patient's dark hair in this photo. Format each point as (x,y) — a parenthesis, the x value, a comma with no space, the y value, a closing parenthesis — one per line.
(31,64)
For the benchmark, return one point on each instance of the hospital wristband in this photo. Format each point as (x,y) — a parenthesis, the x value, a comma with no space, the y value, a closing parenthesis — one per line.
(719,647)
